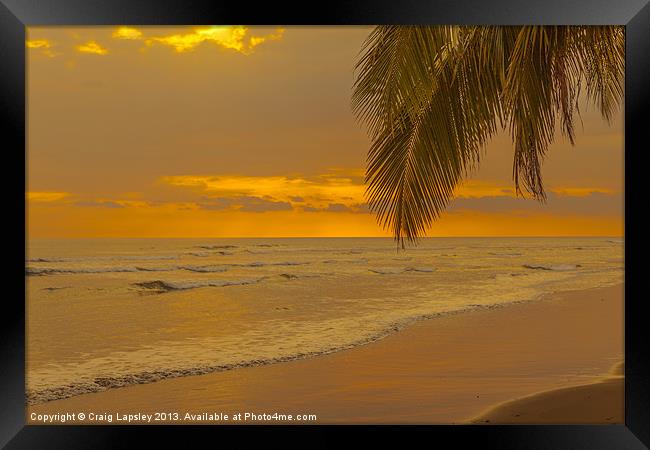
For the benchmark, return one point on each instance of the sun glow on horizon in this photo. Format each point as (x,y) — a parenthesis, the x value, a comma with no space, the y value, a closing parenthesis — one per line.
(331,204)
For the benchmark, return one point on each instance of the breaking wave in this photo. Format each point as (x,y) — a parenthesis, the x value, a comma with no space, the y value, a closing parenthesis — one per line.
(204,269)
(167,286)
(556,268)
(41,271)
(393,271)
(419,269)
(99,384)
(108,258)
(263,264)
(216,247)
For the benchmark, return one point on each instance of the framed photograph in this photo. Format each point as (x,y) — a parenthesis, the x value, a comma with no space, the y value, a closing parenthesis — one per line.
(377,214)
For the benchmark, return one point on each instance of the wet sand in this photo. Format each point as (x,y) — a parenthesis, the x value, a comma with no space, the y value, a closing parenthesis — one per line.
(444,370)
(601,402)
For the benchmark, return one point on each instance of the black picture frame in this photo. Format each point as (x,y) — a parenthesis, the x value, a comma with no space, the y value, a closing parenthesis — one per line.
(16,15)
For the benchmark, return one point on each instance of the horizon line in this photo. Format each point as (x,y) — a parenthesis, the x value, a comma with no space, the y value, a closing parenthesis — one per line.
(331,237)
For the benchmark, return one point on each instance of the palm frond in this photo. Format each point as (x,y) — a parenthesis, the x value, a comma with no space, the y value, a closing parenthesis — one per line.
(528,100)
(397,66)
(431,97)
(427,140)
(602,49)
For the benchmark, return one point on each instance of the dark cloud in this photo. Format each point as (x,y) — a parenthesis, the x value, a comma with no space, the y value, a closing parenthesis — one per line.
(216,203)
(101,204)
(296,199)
(337,207)
(255,204)
(593,204)
(362,208)
(244,203)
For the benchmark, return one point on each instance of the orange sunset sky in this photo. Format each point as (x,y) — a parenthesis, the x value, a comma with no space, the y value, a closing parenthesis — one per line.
(248,131)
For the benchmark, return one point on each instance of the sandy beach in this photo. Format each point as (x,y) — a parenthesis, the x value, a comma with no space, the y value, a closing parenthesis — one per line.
(487,364)
(598,402)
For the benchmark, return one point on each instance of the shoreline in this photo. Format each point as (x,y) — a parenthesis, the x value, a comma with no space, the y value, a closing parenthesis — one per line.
(134,379)
(419,338)
(600,402)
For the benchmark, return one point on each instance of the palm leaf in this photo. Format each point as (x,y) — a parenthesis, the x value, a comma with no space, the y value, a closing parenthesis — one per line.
(431,97)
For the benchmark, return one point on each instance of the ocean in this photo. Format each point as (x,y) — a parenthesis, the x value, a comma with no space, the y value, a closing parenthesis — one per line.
(106,313)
